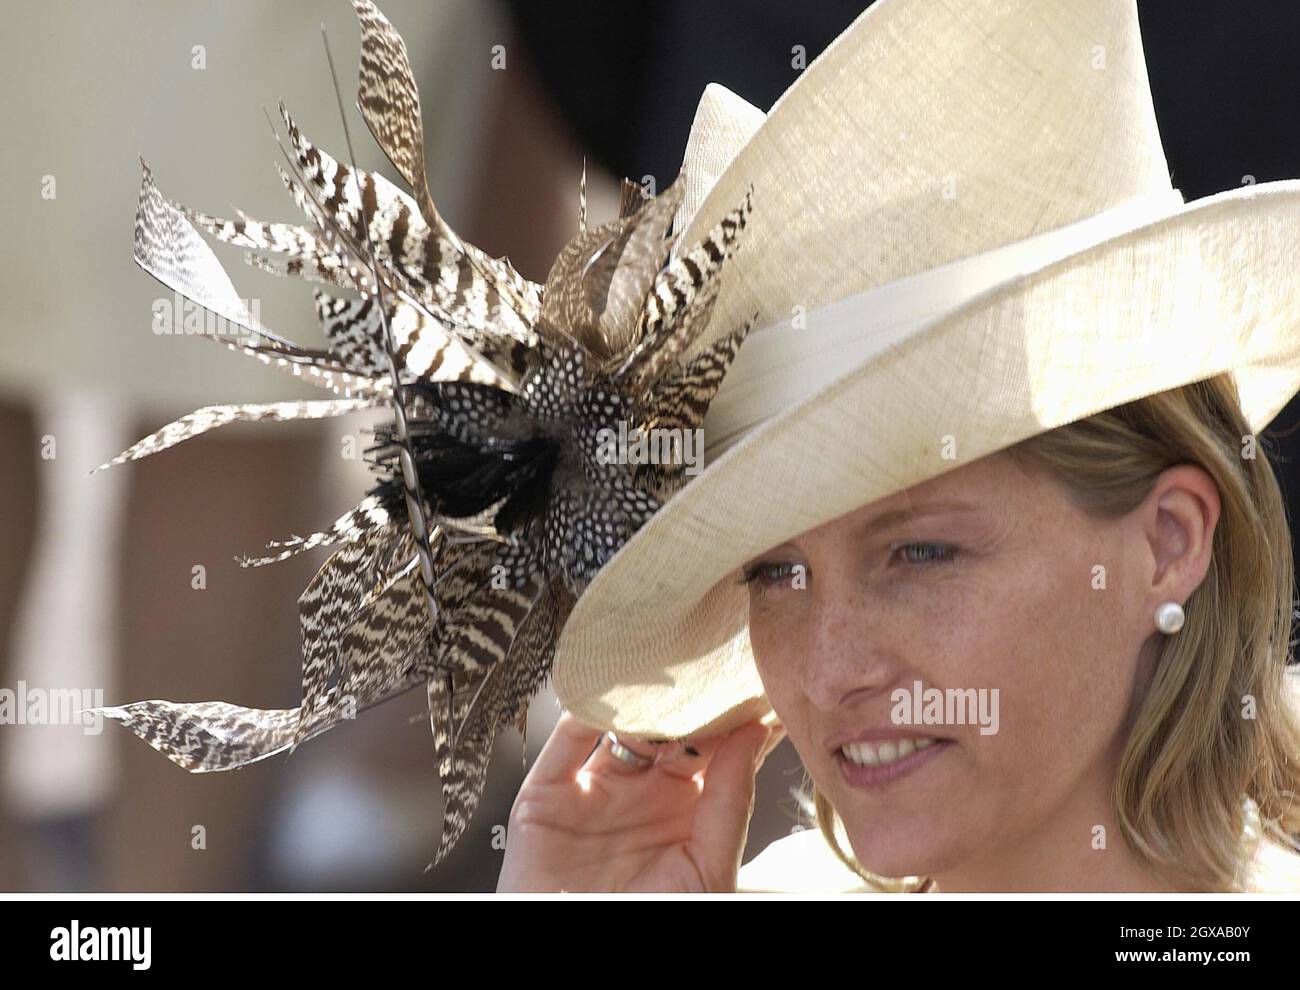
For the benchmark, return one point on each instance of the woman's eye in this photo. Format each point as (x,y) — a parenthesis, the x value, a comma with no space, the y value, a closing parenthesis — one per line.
(768,575)
(927,553)
(771,575)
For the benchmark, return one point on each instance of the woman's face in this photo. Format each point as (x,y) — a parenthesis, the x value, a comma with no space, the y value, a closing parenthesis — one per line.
(986,578)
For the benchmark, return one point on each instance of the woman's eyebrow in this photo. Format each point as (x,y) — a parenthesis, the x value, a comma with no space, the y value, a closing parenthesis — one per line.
(884,521)
(911,513)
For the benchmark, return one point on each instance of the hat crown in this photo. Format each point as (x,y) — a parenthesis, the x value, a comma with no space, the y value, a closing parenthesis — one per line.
(919,137)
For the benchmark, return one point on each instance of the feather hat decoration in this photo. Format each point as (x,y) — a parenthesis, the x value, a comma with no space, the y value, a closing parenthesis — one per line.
(495,500)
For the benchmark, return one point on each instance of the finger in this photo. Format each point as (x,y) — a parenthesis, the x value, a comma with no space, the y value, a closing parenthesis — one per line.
(565,750)
(722,816)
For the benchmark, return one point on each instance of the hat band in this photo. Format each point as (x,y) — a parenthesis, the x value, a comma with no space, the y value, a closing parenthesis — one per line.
(785,363)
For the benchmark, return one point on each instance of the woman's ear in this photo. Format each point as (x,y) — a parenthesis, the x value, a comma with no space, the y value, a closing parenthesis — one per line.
(1178,518)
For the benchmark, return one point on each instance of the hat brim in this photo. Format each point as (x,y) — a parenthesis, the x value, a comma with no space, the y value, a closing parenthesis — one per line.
(658,644)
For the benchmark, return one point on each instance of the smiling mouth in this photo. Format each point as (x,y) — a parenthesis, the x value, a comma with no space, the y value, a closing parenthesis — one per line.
(873,764)
(885,752)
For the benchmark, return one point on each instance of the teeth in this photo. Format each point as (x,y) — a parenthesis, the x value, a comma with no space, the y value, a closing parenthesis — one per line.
(867,754)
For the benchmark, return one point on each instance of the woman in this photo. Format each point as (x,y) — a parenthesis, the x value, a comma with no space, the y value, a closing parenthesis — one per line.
(998,444)
(1123,752)
(994,437)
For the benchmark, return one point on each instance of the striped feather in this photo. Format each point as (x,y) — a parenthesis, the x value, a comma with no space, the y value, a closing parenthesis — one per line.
(168,247)
(326,269)
(390,103)
(663,333)
(283,238)
(466,714)
(680,402)
(424,349)
(433,269)
(210,417)
(598,284)
(328,611)
(378,646)
(353,659)
(350,526)
(582,199)
(208,736)
(307,256)
(318,368)
(675,336)
(630,198)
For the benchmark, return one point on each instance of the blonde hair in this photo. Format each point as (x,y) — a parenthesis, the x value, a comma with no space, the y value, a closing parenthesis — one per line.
(1196,773)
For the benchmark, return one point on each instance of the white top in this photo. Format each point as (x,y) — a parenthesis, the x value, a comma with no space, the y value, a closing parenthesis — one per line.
(802,863)
(799,863)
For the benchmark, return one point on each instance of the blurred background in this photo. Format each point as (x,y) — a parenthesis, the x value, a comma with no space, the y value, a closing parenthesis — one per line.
(123,586)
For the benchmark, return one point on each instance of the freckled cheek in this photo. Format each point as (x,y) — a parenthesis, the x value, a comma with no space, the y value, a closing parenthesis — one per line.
(782,642)
(779,645)
(944,635)
(1048,642)
(1091,667)
(1002,651)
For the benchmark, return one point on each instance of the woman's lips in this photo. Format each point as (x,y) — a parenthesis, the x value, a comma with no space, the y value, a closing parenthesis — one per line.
(876,776)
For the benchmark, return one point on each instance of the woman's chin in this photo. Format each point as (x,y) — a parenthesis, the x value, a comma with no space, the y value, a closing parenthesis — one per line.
(898,842)
(897,827)
(900,854)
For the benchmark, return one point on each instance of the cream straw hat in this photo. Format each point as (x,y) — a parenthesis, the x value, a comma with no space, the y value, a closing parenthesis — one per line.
(964,233)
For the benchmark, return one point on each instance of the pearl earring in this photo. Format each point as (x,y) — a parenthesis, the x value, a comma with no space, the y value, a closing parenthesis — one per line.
(1169,617)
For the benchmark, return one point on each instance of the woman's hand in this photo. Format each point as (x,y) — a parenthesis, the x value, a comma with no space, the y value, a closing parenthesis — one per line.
(587,821)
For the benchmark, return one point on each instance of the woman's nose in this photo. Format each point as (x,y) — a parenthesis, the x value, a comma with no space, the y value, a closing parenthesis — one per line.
(855,649)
